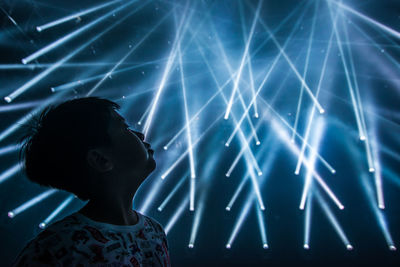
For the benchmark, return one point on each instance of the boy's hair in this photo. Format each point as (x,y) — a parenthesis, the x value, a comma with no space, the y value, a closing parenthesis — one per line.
(55,147)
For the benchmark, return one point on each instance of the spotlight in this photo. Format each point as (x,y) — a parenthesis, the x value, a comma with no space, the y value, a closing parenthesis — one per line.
(228,246)
(306,246)
(265,246)
(191,246)
(42,225)
(392,248)
(349,247)
(10,214)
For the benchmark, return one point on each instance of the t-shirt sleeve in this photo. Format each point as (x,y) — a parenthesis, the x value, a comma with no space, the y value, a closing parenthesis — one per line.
(38,252)
(35,255)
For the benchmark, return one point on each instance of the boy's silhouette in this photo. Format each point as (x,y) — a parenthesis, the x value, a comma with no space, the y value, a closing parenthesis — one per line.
(85,146)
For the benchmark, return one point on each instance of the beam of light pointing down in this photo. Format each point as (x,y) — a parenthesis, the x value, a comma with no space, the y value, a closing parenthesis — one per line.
(231,73)
(307,223)
(378,174)
(168,171)
(18,124)
(318,131)
(293,67)
(195,116)
(310,41)
(267,166)
(283,135)
(9,149)
(326,164)
(73,34)
(261,225)
(74,16)
(155,187)
(196,223)
(272,67)
(311,116)
(110,72)
(70,85)
(251,197)
(237,192)
(333,221)
(176,215)
(170,62)
(188,132)
(31,202)
(20,106)
(10,172)
(266,77)
(192,193)
(241,135)
(368,19)
(356,88)
(243,149)
(172,193)
(239,223)
(360,108)
(60,208)
(351,91)
(380,217)
(249,64)
(44,74)
(245,53)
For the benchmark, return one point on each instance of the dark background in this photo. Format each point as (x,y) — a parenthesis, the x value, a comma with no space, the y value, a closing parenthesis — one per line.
(376,60)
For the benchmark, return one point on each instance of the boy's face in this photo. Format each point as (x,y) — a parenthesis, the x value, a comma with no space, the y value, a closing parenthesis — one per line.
(130,155)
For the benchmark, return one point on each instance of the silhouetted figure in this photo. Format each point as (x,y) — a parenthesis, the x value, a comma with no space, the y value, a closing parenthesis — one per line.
(85,146)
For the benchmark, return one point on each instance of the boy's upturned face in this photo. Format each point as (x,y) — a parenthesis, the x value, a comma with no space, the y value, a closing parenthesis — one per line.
(130,154)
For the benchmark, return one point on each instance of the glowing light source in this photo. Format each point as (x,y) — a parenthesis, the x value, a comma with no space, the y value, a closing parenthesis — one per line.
(73,34)
(31,203)
(74,16)
(57,211)
(46,72)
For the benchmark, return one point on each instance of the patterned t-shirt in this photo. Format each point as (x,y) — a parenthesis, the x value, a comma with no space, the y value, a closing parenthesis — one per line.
(79,241)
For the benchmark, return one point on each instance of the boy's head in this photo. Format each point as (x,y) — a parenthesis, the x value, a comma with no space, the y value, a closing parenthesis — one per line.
(85,147)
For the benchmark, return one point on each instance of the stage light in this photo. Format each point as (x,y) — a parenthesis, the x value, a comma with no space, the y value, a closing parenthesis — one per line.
(168,171)
(318,131)
(243,60)
(305,71)
(282,134)
(188,131)
(74,16)
(292,66)
(378,212)
(137,44)
(31,203)
(172,221)
(73,34)
(306,246)
(190,245)
(368,19)
(45,73)
(57,211)
(196,221)
(9,149)
(228,246)
(180,32)
(333,220)
(10,172)
(261,225)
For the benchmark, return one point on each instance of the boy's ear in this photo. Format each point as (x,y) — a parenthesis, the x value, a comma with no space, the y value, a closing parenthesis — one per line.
(99,161)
